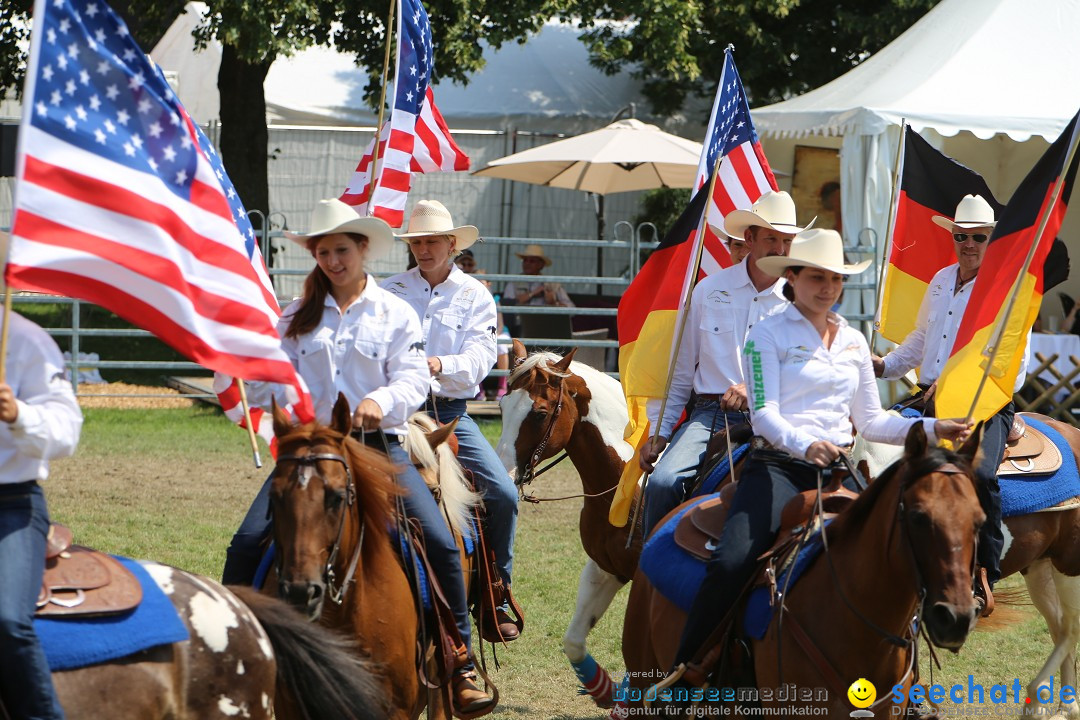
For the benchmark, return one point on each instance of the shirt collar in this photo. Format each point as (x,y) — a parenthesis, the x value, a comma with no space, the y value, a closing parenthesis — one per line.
(457,275)
(368,293)
(744,279)
(792,313)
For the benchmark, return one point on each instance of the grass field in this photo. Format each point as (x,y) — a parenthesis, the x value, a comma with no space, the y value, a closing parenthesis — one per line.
(172,485)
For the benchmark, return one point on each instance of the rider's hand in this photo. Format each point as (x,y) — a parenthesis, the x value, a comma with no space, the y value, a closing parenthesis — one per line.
(822,453)
(650,451)
(434,366)
(734,400)
(929,394)
(368,415)
(879,365)
(9,409)
(954,430)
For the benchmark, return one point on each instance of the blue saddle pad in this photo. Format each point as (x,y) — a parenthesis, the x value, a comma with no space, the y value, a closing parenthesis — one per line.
(76,642)
(1021,494)
(759,613)
(721,471)
(674,572)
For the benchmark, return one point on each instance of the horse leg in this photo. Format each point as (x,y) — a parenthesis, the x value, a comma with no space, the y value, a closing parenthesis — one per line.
(1044,594)
(1068,594)
(596,590)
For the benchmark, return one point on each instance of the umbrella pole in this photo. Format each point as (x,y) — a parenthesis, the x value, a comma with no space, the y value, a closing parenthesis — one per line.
(600,227)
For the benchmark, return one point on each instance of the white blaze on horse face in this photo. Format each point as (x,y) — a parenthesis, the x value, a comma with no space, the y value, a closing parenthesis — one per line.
(211,618)
(162,575)
(515,407)
(227,707)
(240,667)
(607,409)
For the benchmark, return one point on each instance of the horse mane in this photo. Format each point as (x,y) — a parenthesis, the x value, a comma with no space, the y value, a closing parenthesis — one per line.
(457,498)
(541,360)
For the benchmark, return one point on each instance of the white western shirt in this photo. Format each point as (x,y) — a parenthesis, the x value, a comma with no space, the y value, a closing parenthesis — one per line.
(457,320)
(49,421)
(371,350)
(929,345)
(723,308)
(801,392)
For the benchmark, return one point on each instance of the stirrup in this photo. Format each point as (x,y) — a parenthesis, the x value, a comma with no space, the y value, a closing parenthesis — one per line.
(984,597)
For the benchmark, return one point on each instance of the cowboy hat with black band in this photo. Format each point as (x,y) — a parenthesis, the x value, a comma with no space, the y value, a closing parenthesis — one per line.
(821,249)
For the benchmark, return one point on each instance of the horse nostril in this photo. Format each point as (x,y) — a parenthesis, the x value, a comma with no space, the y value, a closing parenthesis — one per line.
(943,615)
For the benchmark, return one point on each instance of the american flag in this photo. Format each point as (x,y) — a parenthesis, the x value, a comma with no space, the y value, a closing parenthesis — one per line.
(744,172)
(419,140)
(121,200)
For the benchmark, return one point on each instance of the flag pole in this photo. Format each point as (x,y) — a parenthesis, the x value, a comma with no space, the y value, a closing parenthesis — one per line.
(1000,331)
(894,203)
(373,177)
(684,312)
(7,311)
(247,422)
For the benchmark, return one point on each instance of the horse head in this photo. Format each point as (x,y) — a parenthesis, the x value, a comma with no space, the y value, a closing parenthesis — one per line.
(539,410)
(327,493)
(939,517)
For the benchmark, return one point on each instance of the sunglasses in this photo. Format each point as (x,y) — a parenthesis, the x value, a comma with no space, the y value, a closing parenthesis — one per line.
(978,237)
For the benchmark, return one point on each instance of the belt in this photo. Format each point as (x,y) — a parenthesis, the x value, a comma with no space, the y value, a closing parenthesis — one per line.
(759,443)
(715,397)
(375,438)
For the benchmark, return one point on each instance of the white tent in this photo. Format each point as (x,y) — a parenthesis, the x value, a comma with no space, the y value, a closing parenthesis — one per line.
(990,82)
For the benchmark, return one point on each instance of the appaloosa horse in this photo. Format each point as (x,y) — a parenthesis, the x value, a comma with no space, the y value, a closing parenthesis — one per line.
(913,532)
(1045,548)
(245,651)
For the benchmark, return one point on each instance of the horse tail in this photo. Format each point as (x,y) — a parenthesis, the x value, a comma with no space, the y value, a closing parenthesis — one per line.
(320,669)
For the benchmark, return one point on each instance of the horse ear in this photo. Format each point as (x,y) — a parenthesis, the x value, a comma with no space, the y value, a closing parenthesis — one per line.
(519,352)
(563,364)
(915,444)
(972,447)
(341,417)
(282,423)
(441,434)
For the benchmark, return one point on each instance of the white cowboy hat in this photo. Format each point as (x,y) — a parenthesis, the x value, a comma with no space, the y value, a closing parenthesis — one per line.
(430,217)
(774,210)
(823,249)
(972,212)
(534,250)
(333,216)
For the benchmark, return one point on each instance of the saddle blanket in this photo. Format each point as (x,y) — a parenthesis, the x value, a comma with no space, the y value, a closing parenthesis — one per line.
(75,642)
(721,471)
(1022,494)
(759,613)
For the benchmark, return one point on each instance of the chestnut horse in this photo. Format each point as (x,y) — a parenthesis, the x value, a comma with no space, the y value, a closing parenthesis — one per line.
(913,532)
(333,502)
(1045,548)
(241,646)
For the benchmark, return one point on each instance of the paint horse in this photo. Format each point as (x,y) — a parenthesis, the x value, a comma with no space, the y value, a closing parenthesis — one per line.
(244,653)
(913,531)
(1044,547)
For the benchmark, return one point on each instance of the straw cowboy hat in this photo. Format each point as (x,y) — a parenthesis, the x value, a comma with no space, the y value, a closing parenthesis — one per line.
(773,210)
(333,216)
(972,212)
(822,249)
(536,251)
(430,217)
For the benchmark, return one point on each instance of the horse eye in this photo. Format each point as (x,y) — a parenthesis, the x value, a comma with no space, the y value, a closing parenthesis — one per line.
(333,499)
(538,412)
(920,519)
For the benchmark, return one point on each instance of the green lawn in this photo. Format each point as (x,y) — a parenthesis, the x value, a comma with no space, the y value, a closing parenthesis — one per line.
(172,485)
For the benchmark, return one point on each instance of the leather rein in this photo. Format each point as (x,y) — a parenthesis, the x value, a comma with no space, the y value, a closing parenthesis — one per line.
(336,594)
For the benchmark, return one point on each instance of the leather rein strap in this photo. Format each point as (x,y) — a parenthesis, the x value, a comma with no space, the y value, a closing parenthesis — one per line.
(336,594)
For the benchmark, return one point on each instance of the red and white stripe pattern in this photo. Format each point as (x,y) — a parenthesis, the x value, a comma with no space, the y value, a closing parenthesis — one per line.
(414,117)
(228,392)
(121,201)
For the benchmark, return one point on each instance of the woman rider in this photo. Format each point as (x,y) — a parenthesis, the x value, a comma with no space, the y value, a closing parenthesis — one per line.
(809,377)
(458,322)
(347,335)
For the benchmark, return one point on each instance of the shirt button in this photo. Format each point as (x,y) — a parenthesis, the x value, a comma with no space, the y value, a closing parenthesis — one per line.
(427,317)
(436,292)
(338,372)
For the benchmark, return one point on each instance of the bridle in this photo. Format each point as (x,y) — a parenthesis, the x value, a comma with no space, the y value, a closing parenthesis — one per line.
(336,594)
(530,472)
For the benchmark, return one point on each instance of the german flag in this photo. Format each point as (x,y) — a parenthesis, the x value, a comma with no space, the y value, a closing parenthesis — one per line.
(1007,268)
(931,183)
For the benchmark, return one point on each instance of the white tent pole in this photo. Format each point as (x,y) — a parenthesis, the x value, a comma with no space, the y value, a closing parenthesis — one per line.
(894,203)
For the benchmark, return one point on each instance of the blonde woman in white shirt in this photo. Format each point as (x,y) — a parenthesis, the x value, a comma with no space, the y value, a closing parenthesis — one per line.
(809,376)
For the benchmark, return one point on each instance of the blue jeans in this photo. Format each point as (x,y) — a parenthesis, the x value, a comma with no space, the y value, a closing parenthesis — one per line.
(25,682)
(678,466)
(242,557)
(493,482)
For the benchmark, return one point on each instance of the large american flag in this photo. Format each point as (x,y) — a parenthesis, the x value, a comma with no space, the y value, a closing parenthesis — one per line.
(744,172)
(419,140)
(122,201)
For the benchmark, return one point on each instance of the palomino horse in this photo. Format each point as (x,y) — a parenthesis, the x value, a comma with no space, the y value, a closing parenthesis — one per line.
(555,404)
(241,644)
(1045,548)
(913,532)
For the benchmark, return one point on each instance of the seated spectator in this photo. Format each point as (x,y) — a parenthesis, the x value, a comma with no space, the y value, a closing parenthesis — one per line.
(533,261)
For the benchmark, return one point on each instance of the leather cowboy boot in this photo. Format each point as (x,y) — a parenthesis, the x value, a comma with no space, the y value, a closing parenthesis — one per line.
(469,701)
(499,626)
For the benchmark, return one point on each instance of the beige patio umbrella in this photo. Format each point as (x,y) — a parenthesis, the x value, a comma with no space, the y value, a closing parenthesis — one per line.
(624,156)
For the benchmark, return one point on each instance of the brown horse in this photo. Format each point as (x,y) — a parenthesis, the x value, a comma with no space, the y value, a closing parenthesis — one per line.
(241,646)
(1045,548)
(333,504)
(555,404)
(912,532)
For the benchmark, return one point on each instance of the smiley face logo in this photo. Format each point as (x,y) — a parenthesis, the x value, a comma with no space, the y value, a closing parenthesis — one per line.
(862,693)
